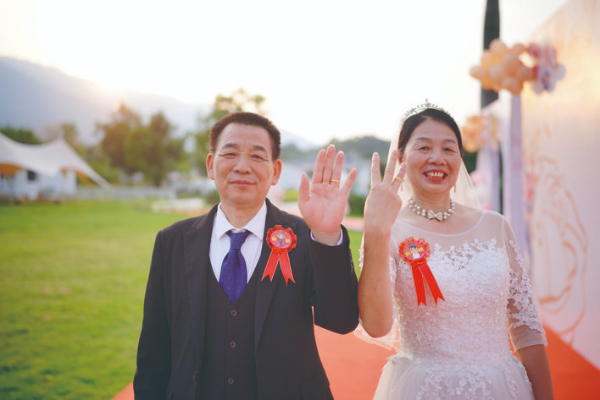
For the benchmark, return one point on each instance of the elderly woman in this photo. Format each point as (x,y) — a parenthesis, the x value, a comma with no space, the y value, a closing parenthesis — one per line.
(445,280)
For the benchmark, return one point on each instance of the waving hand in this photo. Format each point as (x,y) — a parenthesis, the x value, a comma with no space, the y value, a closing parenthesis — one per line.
(323,201)
(383,203)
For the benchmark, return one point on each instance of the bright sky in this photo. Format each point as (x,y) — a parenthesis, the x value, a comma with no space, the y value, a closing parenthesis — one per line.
(327,68)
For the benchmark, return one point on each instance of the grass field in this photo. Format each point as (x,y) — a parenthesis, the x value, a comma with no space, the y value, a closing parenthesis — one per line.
(72,281)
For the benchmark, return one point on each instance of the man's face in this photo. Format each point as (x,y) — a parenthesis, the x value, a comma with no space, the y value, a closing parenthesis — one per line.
(242,167)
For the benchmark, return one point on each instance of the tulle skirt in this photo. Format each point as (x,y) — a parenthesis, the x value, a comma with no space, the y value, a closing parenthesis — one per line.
(405,379)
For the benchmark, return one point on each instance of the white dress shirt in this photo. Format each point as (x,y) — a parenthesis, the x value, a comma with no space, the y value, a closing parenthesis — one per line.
(220,241)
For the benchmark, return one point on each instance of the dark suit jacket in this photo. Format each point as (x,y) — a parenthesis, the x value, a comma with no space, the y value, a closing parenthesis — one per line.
(287,362)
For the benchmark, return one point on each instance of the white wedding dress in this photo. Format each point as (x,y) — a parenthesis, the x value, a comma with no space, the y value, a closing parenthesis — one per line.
(459,348)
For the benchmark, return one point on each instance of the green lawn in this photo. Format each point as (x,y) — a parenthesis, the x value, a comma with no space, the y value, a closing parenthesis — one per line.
(72,281)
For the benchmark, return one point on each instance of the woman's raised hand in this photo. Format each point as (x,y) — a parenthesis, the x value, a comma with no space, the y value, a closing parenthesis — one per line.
(381,208)
(384,202)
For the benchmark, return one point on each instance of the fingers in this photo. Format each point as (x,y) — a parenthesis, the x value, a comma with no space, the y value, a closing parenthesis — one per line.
(349,181)
(328,166)
(390,167)
(337,169)
(303,190)
(402,172)
(388,178)
(375,172)
(319,166)
(329,160)
(399,178)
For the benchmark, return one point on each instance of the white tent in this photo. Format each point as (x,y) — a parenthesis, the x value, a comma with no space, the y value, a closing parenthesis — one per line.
(48,159)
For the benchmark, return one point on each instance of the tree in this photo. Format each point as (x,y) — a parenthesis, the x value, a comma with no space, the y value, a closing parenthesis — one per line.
(239,100)
(68,131)
(151,150)
(134,147)
(100,163)
(19,135)
(145,152)
(71,136)
(123,121)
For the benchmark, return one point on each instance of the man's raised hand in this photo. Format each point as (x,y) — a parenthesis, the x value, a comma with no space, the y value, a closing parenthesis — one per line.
(323,201)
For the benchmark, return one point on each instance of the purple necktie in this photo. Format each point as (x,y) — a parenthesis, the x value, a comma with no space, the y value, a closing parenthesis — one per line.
(233,277)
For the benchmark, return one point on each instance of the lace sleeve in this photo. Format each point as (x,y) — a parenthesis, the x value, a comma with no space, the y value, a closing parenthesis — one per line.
(525,326)
(392,339)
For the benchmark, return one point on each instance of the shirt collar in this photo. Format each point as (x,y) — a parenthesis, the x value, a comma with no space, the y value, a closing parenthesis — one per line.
(256,225)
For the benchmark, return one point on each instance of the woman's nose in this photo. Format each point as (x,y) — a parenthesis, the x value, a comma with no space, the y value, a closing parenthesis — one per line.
(436,156)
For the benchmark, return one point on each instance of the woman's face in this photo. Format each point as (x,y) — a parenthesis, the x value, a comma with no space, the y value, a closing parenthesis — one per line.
(433,158)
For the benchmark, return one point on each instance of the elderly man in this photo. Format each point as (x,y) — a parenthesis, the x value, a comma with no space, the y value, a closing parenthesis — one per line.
(232,294)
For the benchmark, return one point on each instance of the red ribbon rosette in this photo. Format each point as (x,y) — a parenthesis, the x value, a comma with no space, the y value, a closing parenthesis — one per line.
(415,252)
(281,241)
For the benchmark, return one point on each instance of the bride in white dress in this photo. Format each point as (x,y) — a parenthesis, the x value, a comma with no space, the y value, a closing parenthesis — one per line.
(443,282)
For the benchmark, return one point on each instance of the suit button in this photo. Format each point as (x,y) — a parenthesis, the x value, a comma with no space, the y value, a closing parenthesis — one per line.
(230,381)
(233,313)
(232,345)
(195,376)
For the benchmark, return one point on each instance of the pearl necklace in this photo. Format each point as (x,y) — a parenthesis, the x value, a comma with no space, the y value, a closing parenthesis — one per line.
(440,216)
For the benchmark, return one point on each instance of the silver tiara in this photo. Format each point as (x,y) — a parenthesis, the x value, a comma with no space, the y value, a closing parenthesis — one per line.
(422,107)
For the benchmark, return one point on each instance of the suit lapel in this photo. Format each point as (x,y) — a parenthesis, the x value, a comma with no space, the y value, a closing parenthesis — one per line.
(197,262)
(196,242)
(265,289)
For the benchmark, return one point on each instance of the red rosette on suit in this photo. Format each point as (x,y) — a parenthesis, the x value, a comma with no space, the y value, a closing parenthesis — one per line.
(281,241)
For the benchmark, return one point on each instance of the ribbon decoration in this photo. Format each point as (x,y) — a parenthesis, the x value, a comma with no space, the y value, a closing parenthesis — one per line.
(281,241)
(439,216)
(415,252)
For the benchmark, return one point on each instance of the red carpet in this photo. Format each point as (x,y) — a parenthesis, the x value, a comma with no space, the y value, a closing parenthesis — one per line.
(353,367)
(573,377)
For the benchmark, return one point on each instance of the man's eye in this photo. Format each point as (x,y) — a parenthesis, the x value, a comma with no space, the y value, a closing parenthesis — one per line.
(256,157)
(229,155)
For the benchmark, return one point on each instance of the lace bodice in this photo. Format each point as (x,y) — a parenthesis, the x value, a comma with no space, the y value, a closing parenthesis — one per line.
(480,273)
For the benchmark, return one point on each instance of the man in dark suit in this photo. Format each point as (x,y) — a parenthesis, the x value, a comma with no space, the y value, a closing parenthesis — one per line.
(209,332)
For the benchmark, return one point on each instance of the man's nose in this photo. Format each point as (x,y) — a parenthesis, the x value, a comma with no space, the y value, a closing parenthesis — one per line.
(242,164)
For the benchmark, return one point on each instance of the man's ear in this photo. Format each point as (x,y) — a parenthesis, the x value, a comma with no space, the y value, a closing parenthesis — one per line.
(278,165)
(209,166)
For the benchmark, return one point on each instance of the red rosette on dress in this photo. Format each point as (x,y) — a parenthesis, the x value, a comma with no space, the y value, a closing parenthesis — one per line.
(281,241)
(415,252)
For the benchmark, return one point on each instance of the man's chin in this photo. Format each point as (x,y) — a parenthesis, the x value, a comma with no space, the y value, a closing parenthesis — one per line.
(244,200)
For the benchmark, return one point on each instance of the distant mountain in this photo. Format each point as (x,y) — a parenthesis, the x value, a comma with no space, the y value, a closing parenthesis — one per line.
(33,96)
(364,146)
(357,148)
